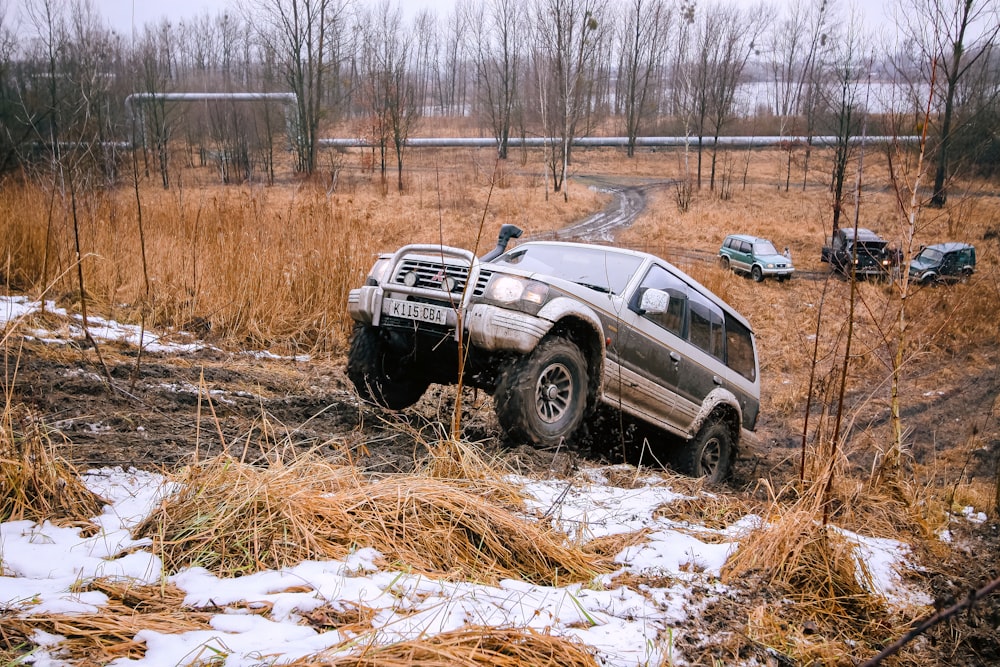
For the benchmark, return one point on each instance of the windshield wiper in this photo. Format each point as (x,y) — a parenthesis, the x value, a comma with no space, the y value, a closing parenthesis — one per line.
(596,288)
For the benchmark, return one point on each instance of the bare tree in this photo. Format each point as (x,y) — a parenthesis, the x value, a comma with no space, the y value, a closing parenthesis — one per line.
(389,90)
(738,34)
(152,119)
(642,38)
(298,31)
(850,81)
(10,137)
(452,72)
(568,36)
(795,45)
(956,37)
(498,43)
(681,100)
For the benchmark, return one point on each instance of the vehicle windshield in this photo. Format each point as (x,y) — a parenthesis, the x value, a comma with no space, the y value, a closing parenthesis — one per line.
(930,255)
(764,248)
(601,269)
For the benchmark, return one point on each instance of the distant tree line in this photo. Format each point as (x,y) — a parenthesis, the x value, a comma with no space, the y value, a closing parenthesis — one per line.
(515,68)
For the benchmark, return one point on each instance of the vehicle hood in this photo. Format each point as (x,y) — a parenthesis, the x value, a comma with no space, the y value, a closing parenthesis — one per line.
(774,259)
(921,264)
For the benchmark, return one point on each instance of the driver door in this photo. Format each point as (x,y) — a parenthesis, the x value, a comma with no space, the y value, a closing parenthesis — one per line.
(650,362)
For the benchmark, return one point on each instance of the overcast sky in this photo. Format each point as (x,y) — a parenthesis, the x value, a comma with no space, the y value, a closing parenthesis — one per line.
(123,14)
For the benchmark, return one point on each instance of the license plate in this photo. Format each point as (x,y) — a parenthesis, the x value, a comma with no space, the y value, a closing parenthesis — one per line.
(411,310)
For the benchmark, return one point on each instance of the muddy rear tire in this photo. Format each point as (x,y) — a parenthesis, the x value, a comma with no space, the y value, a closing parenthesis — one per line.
(379,373)
(709,454)
(541,398)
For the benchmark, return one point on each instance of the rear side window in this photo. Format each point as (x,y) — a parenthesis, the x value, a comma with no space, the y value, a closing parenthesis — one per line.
(706,325)
(739,349)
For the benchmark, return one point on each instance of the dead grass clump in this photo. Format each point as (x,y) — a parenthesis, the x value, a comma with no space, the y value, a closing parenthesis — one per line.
(833,603)
(814,561)
(35,484)
(439,527)
(234,519)
(111,633)
(709,510)
(471,646)
(14,641)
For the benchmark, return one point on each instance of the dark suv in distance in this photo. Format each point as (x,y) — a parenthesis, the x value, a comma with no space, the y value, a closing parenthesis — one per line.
(554,330)
(862,252)
(943,263)
(755,256)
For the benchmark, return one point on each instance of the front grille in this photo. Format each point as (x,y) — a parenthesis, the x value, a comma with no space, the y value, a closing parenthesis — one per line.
(433,275)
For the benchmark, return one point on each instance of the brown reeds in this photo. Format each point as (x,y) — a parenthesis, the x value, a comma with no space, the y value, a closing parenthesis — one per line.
(828,591)
(254,266)
(35,483)
(110,634)
(233,519)
(470,646)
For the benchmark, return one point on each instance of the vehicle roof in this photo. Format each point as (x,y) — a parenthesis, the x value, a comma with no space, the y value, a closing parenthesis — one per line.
(747,237)
(863,234)
(647,256)
(951,246)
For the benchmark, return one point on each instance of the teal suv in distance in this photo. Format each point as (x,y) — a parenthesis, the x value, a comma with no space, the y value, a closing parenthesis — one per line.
(755,256)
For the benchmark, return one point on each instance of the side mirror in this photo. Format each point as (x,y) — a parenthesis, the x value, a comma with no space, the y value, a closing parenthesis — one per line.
(654,302)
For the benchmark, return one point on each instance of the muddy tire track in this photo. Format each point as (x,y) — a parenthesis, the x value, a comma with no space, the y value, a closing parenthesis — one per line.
(628,201)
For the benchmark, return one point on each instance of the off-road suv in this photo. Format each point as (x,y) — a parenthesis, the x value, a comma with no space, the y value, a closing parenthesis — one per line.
(860,251)
(755,256)
(943,263)
(552,330)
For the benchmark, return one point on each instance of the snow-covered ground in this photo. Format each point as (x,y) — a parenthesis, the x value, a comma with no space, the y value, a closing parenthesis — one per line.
(43,565)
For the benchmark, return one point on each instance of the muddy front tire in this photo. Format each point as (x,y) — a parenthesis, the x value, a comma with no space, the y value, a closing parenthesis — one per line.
(709,454)
(380,373)
(542,397)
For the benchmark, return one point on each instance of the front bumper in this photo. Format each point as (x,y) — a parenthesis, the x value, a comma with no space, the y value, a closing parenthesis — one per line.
(777,272)
(488,327)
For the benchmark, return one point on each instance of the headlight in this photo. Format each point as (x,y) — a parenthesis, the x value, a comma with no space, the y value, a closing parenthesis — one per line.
(508,289)
(377,273)
(770,266)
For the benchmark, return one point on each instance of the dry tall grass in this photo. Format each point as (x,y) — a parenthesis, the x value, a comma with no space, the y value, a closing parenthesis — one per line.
(824,598)
(99,638)
(260,266)
(35,482)
(471,646)
(235,519)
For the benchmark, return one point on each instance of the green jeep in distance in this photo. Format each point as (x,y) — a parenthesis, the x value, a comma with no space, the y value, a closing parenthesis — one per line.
(943,263)
(756,256)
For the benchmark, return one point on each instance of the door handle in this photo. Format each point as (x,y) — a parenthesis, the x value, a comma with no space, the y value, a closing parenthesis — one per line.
(676,358)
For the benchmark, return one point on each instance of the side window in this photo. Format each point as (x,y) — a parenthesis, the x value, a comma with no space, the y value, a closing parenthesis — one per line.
(706,325)
(739,349)
(661,279)
(745,247)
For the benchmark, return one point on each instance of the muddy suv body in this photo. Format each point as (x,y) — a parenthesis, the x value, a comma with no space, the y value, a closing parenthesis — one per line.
(553,330)
(943,263)
(864,252)
(754,256)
